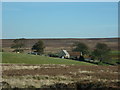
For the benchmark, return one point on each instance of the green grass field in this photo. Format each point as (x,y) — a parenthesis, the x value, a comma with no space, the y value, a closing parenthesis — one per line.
(36,59)
(114,58)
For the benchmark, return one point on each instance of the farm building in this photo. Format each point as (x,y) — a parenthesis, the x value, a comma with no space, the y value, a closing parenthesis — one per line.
(74,55)
(66,54)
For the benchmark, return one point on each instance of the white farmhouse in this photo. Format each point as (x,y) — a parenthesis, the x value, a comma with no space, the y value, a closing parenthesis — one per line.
(64,54)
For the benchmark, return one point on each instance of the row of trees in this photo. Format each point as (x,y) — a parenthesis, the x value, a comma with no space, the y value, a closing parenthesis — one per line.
(19,45)
(100,52)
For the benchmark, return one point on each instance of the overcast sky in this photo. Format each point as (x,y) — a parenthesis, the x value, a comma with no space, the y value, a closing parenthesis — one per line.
(60,19)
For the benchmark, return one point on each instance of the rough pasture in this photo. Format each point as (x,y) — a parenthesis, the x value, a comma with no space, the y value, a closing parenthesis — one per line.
(46,75)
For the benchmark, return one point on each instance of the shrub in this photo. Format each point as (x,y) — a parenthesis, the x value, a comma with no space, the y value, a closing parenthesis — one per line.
(53,55)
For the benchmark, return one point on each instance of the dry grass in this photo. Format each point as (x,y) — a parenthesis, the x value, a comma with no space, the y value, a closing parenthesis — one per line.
(23,76)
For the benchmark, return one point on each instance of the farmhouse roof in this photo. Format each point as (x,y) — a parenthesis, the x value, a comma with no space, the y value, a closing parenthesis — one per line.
(65,51)
(74,53)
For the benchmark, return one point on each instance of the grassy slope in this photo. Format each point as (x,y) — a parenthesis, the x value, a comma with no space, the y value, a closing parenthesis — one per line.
(33,59)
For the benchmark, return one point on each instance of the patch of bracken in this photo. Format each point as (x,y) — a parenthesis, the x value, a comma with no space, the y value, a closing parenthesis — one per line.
(5,85)
(81,85)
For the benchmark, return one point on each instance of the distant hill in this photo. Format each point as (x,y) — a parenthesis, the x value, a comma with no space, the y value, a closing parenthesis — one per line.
(55,45)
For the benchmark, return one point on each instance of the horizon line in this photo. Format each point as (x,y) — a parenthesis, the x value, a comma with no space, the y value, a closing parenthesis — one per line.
(64,38)
(60,1)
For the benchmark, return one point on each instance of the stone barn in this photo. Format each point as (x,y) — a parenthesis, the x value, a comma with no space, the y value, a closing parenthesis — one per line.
(74,55)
